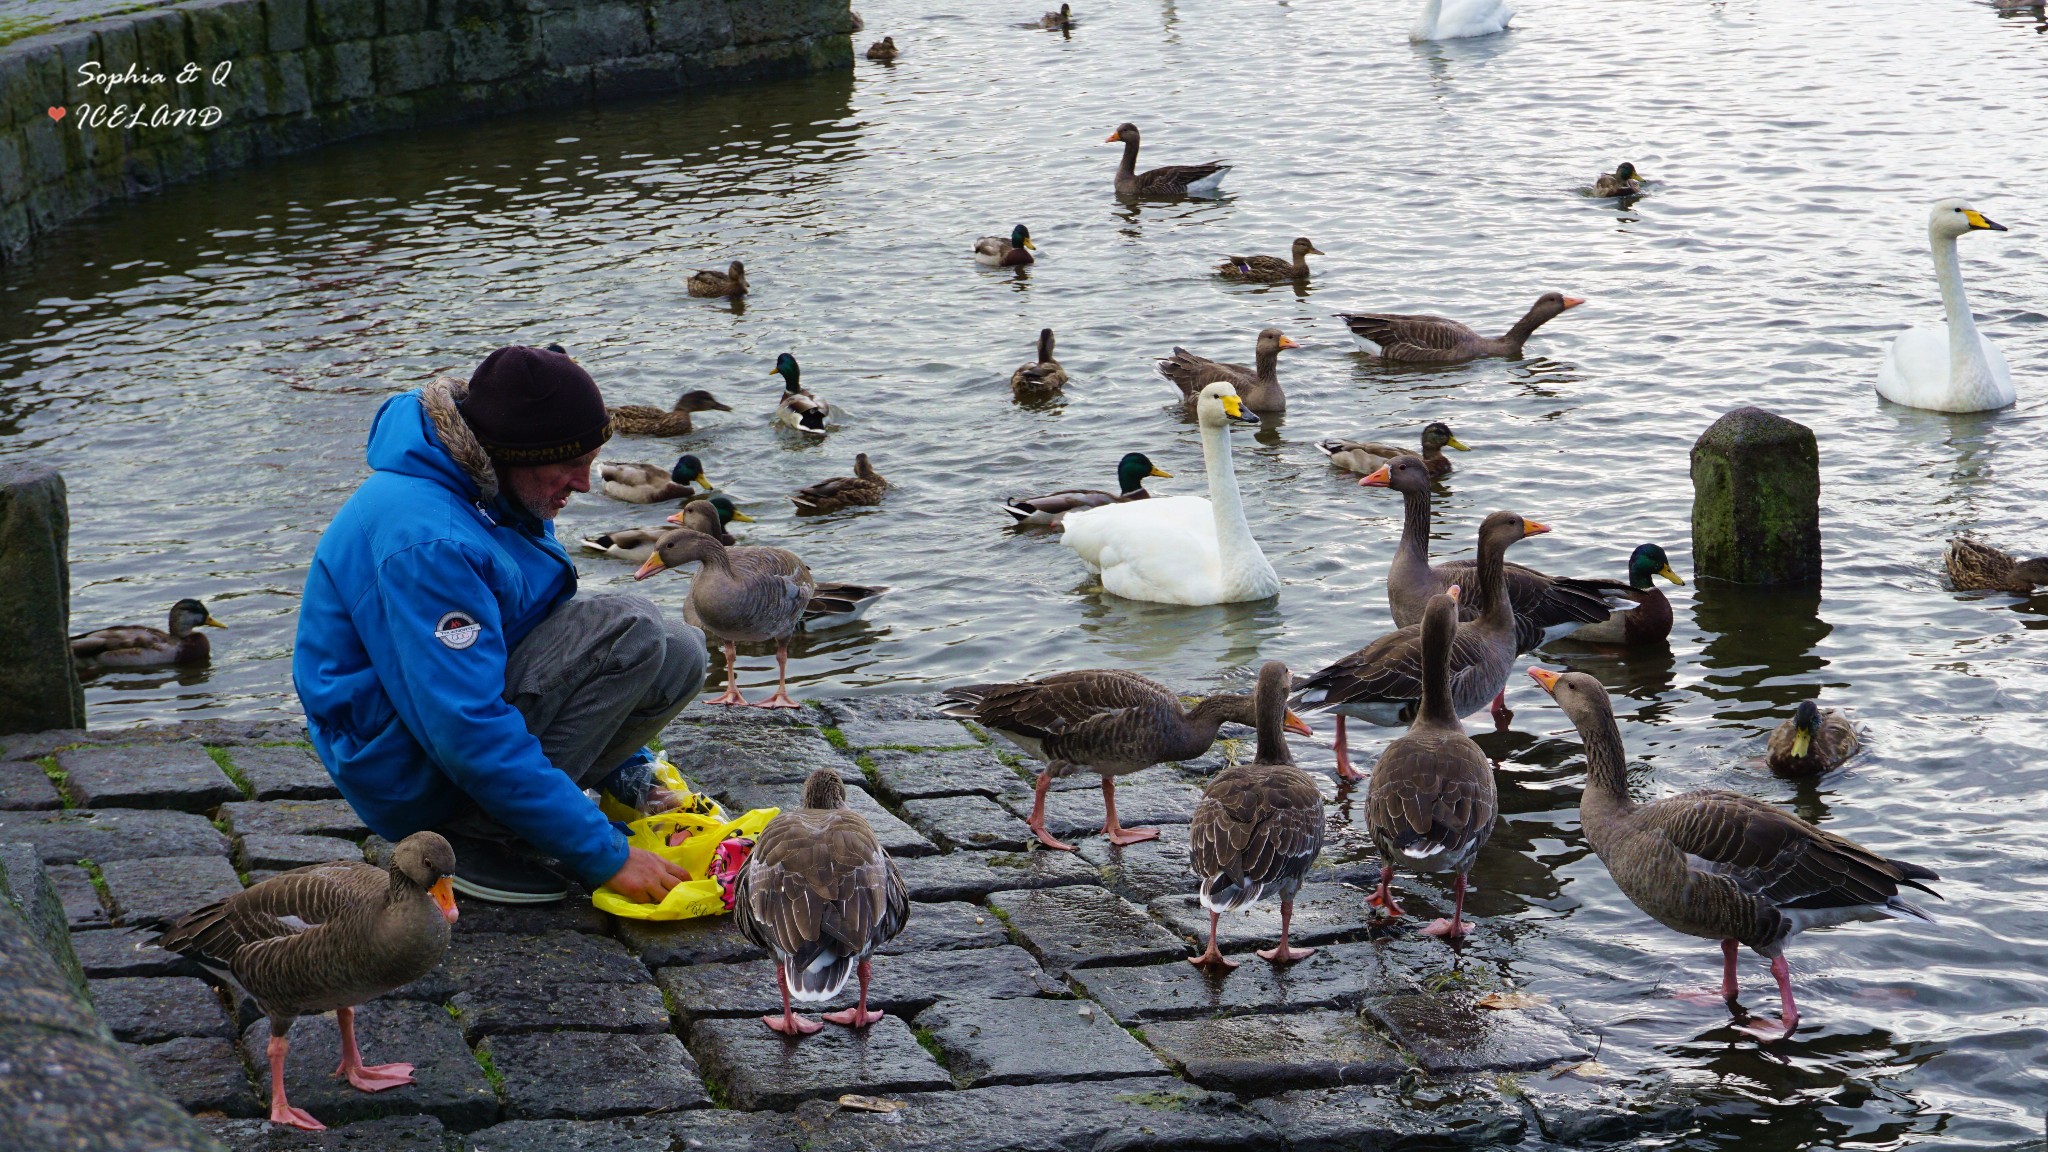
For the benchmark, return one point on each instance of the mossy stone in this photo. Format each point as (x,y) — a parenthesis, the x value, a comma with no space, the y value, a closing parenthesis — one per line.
(1756,501)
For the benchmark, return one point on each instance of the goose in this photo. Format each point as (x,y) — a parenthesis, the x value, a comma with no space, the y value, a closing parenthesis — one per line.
(799,409)
(1258,828)
(883,50)
(835,605)
(1812,741)
(1172,180)
(1064,18)
(1973,566)
(1041,377)
(997,252)
(1458,19)
(1923,367)
(1366,457)
(820,895)
(647,420)
(1181,549)
(649,484)
(1623,181)
(1720,865)
(1131,473)
(1271,269)
(140,646)
(865,486)
(1647,618)
(1099,720)
(1436,340)
(1431,802)
(327,938)
(1381,682)
(1258,386)
(709,516)
(752,594)
(731,282)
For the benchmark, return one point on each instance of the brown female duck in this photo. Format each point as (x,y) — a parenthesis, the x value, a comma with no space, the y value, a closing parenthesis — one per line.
(1647,617)
(752,594)
(1437,340)
(1623,181)
(647,420)
(140,646)
(1364,456)
(1812,741)
(865,486)
(1131,473)
(883,50)
(1973,566)
(731,282)
(1172,180)
(1271,269)
(1043,376)
(327,938)
(1258,387)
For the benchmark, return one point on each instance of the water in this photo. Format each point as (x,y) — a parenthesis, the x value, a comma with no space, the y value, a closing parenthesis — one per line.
(203,366)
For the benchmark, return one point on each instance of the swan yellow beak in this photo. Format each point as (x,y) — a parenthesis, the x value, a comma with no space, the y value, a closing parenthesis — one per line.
(1979,220)
(742,517)
(1801,741)
(210,622)
(1376,480)
(1162,473)
(1297,725)
(1460,445)
(1668,574)
(443,893)
(654,564)
(1532,528)
(1545,679)
(1232,406)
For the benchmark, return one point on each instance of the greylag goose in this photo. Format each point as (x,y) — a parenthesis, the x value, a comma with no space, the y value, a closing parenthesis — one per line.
(835,605)
(1623,181)
(865,486)
(1271,269)
(327,938)
(1099,720)
(1043,376)
(997,252)
(799,409)
(650,484)
(1172,180)
(1974,566)
(731,282)
(1647,618)
(1258,828)
(1131,473)
(752,594)
(1437,340)
(1811,741)
(1431,802)
(1258,387)
(1364,456)
(1381,683)
(1720,865)
(709,516)
(140,646)
(820,895)
(647,420)
(883,50)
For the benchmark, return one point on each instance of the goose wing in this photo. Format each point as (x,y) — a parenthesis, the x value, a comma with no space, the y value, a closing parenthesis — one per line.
(1257,825)
(818,882)
(1053,704)
(1389,669)
(1176,179)
(1191,373)
(1410,337)
(1432,794)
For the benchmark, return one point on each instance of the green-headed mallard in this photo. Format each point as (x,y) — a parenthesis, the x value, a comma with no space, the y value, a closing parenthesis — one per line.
(1172,180)
(649,484)
(1271,269)
(140,646)
(1367,457)
(799,409)
(865,486)
(1811,741)
(1131,474)
(1623,181)
(1436,340)
(731,282)
(1041,377)
(997,252)
(1648,618)
(647,420)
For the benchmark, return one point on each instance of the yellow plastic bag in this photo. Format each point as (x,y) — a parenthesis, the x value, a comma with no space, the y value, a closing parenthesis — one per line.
(707,827)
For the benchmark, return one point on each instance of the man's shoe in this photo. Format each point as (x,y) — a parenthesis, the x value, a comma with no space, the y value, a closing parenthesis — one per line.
(500,874)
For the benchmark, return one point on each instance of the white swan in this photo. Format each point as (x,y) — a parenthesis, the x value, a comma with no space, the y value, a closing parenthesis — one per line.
(1181,549)
(1924,368)
(1457,19)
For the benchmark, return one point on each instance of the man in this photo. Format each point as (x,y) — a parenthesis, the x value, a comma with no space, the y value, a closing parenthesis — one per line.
(450,680)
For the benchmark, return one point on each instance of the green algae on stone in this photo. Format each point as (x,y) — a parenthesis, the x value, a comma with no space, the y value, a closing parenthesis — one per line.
(1756,501)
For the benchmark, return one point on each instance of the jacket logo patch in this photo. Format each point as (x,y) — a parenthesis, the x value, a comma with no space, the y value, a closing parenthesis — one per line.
(458,630)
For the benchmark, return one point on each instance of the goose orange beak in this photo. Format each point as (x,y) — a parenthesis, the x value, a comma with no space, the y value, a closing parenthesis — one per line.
(1573,301)
(675,517)
(443,893)
(654,564)
(1112,138)
(1545,679)
(1376,480)
(1532,528)
(1297,725)
(1287,342)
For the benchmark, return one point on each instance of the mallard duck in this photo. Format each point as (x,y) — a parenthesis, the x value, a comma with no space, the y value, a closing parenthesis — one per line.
(1948,367)
(731,282)
(751,594)
(327,938)
(140,646)
(1131,473)
(647,420)
(709,516)
(883,50)
(799,409)
(1812,741)
(1720,865)
(1431,802)
(865,486)
(1976,566)
(1258,387)
(1172,180)
(1258,828)
(1271,269)
(1458,19)
(1623,181)
(997,252)
(820,895)
(634,544)
(1365,456)
(1381,683)
(1041,377)
(649,484)
(1064,18)
(1647,619)
(1436,340)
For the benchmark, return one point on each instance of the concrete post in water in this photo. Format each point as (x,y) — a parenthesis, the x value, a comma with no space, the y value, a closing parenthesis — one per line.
(1756,501)
(38,686)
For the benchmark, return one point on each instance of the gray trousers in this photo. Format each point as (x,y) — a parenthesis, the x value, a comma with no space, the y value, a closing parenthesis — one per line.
(596,680)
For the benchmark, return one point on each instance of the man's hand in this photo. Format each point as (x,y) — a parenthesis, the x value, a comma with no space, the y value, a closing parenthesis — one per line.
(645,878)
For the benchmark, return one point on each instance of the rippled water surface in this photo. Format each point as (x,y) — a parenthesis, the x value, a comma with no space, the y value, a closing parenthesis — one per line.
(203,366)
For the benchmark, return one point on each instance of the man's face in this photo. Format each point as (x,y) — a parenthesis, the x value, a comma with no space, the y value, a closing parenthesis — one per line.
(543,489)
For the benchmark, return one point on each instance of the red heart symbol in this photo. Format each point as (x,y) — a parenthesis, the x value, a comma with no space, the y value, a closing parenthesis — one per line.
(56,113)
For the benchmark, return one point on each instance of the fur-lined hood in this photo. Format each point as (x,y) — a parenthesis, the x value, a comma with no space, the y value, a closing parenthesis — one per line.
(440,399)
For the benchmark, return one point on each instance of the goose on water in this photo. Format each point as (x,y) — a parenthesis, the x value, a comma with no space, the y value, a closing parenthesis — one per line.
(1172,180)
(1948,367)
(1414,339)
(1257,386)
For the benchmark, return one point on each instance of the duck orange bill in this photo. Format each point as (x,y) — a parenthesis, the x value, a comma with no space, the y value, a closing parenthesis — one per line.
(443,893)
(1376,480)
(654,564)
(1532,528)
(1544,678)
(1297,725)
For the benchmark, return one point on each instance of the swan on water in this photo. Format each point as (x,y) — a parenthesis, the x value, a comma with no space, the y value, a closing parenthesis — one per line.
(1924,367)
(1457,19)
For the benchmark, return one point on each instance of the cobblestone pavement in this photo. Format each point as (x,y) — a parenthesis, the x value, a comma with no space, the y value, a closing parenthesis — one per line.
(1037,1000)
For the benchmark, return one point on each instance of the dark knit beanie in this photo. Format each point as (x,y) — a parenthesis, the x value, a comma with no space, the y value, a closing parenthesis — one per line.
(532,406)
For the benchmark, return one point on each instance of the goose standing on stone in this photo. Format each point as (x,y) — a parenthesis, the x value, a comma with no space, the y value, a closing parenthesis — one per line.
(1366,457)
(1975,566)
(1458,19)
(799,408)
(1258,828)
(1412,339)
(327,938)
(1811,741)
(1258,386)
(820,895)
(752,594)
(1271,269)
(1181,549)
(997,252)
(647,420)
(1172,180)
(1043,376)
(650,484)
(1131,473)
(1948,367)
(1431,802)
(140,646)
(1720,865)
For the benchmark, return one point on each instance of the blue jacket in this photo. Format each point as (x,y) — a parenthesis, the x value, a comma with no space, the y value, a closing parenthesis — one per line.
(418,592)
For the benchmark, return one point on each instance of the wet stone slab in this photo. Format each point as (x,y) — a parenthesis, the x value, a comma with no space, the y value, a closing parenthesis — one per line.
(113,952)
(1146,799)
(150,1011)
(1323,914)
(506,964)
(1031,1041)
(763,1069)
(114,834)
(972,876)
(1084,926)
(574,914)
(166,887)
(24,787)
(267,852)
(594,1075)
(82,907)
(972,822)
(1146,870)
(937,732)
(201,1073)
(1262,1054)
(899,706)
(896,838)
(921,775)
(1451,1033)
(294,818)
(284,773)
(1139,1115)
(450,1086)
(904,985)
(1338,976)
(1461,1114)
(702,1130)
(724,756)
(937,927)
(1577,1113)
(181,777)
(583,1007)
(388,1134)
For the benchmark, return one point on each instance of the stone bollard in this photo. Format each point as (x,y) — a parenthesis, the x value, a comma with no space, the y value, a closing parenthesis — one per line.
(1756,501)
(38,686)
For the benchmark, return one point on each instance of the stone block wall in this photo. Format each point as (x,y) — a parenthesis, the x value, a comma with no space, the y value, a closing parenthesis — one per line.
(303,73)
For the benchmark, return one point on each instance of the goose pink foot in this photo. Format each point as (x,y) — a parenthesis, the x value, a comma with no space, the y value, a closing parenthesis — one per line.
(281,1110)
(789,1023)
(1281,953)
(1212,960)
(366,1077)
(1728,986)
(731,696)
(1344,769)
(1036,821)
(1382,897)
(857,1016)
(1777,1028)
(781,698)
(1455,927)
(1117,833)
